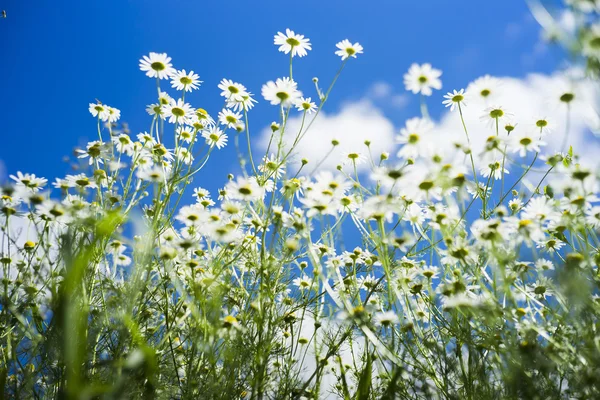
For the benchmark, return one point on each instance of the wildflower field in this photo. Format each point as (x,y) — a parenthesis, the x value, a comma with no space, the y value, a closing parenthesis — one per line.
(447,267)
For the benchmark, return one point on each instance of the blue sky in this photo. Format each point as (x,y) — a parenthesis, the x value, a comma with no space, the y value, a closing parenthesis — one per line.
(60,56)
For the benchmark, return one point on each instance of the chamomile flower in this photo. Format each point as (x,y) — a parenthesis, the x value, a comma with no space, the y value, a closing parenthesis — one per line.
(272,167)
(347,49)
(454,98)
(232,91)
(153,174)
(29,181)
(113,114)
(155,109)
(422,78)
(186,133)
(493,114)
(95,150)
(303,283)
(523,142)
(178,111)
(543,125)
(182,80)
(591,42)
(386,318)
(99,110)
(157,65)
(284,91)
(493,170)
(246,103)
(246,189)
(292,42)
(414,139)
(484,88)
(215,137)
(123,144)
(229,118)
(184,155)
(306,105)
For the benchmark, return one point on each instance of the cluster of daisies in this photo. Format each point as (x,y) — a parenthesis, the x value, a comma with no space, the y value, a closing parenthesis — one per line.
(447,247)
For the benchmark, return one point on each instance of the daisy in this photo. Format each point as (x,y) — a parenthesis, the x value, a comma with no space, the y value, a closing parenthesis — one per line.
(246,189)
(246,103)
(347,49)
(181,80)
(30,181)
(186,134)
(523,143)
(491,115)
(493,170)
(386,318)
(94,150)
(157,65)
(544,125)
(284,91)
(155,109)
(454,98)
(81,181)
(591,42)
(290,41)
(422,78)
(229,118)
(353,157)
(271,166)
(484,88)
(303,282)
(232,91)
(413,138)
(306,105)
(152,174)
(593,217)
(98,110)
(201,194)
(113,114)
(123,144)
(215,137)
(178,111)
(184,155)
(201,120)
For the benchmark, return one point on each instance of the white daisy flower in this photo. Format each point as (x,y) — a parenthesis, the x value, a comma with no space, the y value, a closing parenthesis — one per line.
(493,114)
(215,137)
(414,139)
(178,111)
(347,49)
(153,174)
(182,80)
(99,110)
(284,91)
(306,105)
(454,98)
(231,90)
(484,88)
(422,78)
(229,118)
(293,42)
(157,65)
(523,143)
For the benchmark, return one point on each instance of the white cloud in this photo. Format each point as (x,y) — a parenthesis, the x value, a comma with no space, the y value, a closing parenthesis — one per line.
(533,97)
(529,99)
